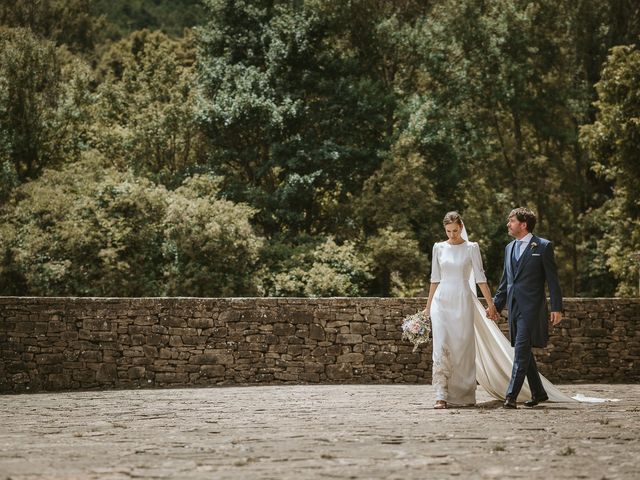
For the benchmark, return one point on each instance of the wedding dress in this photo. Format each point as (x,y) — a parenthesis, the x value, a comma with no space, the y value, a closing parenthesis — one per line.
(453,313)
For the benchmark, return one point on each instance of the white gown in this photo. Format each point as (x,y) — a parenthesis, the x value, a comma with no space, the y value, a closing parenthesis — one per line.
(452,313)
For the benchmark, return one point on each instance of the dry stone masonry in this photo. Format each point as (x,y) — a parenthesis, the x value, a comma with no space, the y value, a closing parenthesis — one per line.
(50,344)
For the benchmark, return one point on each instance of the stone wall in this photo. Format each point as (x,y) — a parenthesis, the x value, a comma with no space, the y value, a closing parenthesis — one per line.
(49,344)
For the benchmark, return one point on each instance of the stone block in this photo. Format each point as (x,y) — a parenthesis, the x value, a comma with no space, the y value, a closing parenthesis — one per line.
(360,328)
(46,369)
(84,376)
(406,358)
(283,329)
(385,358)
(172,321)
(300,316)
(153,339)
(136,373)
(214,357)
(58,381)
(384,335)
(341,371)
(24,327)
(316,332)
(335,349)
(49,358)
(285,377)
(200,322)
(96,324)
(213,370)
(348,338)
(309,377)
(148,320)
(16,367)
(107,373)
(150,351)
(350,358)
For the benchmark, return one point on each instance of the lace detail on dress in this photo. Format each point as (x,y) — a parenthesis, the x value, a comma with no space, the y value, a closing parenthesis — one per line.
(441,372)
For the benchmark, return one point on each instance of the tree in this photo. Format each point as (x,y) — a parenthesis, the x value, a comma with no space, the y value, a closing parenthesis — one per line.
(172,17)
(322,269)
(210,244)
(84,230)
(613,143)
(63,22)
(91,230)
(145,107)
(296,116)
(44,94)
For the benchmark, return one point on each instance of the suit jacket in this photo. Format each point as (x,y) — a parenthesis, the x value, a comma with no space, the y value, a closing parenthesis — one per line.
(522,290)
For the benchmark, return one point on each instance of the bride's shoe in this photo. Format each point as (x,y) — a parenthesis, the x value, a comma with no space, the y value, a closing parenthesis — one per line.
(440,405)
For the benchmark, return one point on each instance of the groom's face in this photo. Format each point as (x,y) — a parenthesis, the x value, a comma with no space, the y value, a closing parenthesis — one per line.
(516,228)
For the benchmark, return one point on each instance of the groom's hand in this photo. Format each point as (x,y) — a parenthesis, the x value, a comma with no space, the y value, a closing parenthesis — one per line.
(556,318)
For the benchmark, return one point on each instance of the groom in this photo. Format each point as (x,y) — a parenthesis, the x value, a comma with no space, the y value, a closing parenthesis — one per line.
(528,263)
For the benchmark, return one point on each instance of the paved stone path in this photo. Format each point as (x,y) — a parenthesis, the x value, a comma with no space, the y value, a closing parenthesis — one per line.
(314,431)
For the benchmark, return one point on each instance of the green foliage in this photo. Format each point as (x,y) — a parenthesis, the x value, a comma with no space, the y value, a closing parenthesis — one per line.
(210,245)
(311,148)
(126,16)
(85,230)
(145,107)
(64,22)
(321,270)
(399,264)
(613,142)
(95,231)
(43,103)
(295,117)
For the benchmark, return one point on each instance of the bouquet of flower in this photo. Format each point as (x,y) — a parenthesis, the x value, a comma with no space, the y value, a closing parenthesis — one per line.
(416,329)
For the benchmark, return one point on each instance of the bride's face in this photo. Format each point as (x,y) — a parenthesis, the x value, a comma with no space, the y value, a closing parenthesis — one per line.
(453,231)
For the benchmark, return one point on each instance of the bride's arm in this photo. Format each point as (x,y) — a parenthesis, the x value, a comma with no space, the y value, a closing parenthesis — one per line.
(435,278)
(492,313)
(432,291)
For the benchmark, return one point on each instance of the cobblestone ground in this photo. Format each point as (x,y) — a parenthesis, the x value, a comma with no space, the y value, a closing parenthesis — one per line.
(319,431)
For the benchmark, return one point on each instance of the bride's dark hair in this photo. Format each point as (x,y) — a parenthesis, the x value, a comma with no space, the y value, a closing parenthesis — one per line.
(452,217)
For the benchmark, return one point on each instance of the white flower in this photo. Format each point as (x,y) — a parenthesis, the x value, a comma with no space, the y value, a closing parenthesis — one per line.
(416,328)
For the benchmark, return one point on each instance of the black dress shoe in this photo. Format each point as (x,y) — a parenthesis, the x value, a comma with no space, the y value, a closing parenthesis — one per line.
(510,403)
(535,401)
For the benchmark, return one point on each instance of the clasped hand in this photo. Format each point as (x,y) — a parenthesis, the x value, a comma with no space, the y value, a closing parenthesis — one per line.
(492,313)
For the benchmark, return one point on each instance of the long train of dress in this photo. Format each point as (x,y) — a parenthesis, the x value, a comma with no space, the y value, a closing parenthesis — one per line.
(494,361)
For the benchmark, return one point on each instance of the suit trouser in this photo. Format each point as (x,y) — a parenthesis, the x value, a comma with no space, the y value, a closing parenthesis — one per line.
(524,365)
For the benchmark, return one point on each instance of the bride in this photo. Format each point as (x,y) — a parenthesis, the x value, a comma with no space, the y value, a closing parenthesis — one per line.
(467,346)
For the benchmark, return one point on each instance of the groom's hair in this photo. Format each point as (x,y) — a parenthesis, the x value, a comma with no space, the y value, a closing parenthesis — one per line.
(523,214)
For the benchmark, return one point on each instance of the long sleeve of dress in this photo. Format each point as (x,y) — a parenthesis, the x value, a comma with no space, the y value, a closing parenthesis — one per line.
(476,261)
(435,266)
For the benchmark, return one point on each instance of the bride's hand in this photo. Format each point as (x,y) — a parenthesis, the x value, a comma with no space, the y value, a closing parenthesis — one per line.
(492,313)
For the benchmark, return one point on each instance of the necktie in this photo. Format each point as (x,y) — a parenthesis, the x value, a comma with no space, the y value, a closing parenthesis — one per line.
(518,247)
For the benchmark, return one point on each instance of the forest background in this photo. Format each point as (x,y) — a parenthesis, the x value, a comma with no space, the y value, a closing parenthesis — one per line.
(311,148)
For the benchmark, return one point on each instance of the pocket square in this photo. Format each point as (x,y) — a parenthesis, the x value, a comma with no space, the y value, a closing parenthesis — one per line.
(535,254)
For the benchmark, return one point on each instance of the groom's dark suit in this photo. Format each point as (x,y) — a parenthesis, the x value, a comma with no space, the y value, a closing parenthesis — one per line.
(522,291)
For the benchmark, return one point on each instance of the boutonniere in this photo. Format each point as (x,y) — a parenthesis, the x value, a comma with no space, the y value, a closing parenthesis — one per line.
(533,245)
